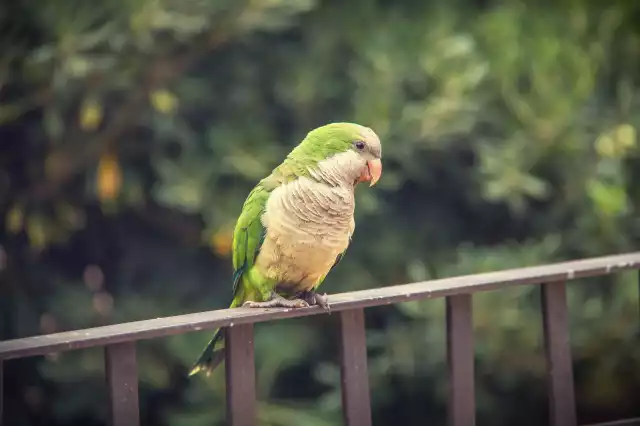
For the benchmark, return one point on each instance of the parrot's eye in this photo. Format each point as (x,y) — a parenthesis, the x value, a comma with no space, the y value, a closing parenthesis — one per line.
(359,145)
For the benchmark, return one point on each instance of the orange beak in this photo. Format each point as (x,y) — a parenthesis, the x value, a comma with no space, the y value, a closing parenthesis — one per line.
(372,172)
(375,170)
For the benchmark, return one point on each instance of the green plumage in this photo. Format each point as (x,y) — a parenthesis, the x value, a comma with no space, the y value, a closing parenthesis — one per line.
(248,283)
(252,282)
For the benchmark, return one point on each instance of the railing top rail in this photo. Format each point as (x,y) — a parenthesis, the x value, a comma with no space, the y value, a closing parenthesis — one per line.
(99,336)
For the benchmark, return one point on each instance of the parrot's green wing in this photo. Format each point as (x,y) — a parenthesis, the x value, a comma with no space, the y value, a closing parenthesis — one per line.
(248,237)
(249,232)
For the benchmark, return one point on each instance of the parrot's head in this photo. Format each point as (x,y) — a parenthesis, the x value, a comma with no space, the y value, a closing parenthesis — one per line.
(344,152)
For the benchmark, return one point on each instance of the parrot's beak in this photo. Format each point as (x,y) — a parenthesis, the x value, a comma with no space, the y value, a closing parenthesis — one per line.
(374,169)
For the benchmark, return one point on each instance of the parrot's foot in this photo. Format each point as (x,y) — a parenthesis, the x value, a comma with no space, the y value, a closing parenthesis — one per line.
(313,298)
(277,301)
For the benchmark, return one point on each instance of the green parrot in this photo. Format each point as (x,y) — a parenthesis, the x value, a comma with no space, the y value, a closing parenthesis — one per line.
(296,223)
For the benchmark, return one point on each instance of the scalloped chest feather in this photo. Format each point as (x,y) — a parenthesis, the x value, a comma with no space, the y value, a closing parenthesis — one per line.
(308,224)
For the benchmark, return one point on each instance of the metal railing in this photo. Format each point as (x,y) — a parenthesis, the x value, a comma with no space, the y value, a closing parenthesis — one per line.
(119,342)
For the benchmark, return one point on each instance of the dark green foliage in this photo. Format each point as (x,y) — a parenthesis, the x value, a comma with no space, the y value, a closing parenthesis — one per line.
(133,130)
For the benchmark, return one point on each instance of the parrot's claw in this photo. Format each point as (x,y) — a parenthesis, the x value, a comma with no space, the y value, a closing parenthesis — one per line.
(313,298)
(322,300)
(277,302)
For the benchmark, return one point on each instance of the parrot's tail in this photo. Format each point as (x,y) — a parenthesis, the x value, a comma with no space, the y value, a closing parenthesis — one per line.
(210,358)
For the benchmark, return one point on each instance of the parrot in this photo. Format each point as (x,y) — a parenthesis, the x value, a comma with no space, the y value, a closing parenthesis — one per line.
(297,222)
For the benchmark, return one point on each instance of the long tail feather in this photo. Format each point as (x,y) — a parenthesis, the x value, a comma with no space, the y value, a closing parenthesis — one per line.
(210,358)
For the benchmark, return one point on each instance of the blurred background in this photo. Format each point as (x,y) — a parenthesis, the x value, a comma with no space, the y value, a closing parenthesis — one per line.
(132,130)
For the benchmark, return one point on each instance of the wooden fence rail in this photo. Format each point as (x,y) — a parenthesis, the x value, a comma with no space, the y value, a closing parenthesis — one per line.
(119,342)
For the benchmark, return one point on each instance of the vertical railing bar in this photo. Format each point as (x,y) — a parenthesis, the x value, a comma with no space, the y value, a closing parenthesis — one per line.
(122,379)
(460,357)
(240,375)
(356,404)
(562,407)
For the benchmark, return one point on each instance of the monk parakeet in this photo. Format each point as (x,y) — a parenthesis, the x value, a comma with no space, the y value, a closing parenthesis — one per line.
(296,223)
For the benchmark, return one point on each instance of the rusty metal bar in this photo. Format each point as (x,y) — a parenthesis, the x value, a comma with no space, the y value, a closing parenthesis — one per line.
(356,404)
(555,316)
(120,350)
(240,375)
(460,357)
(100,336)
(122,379)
